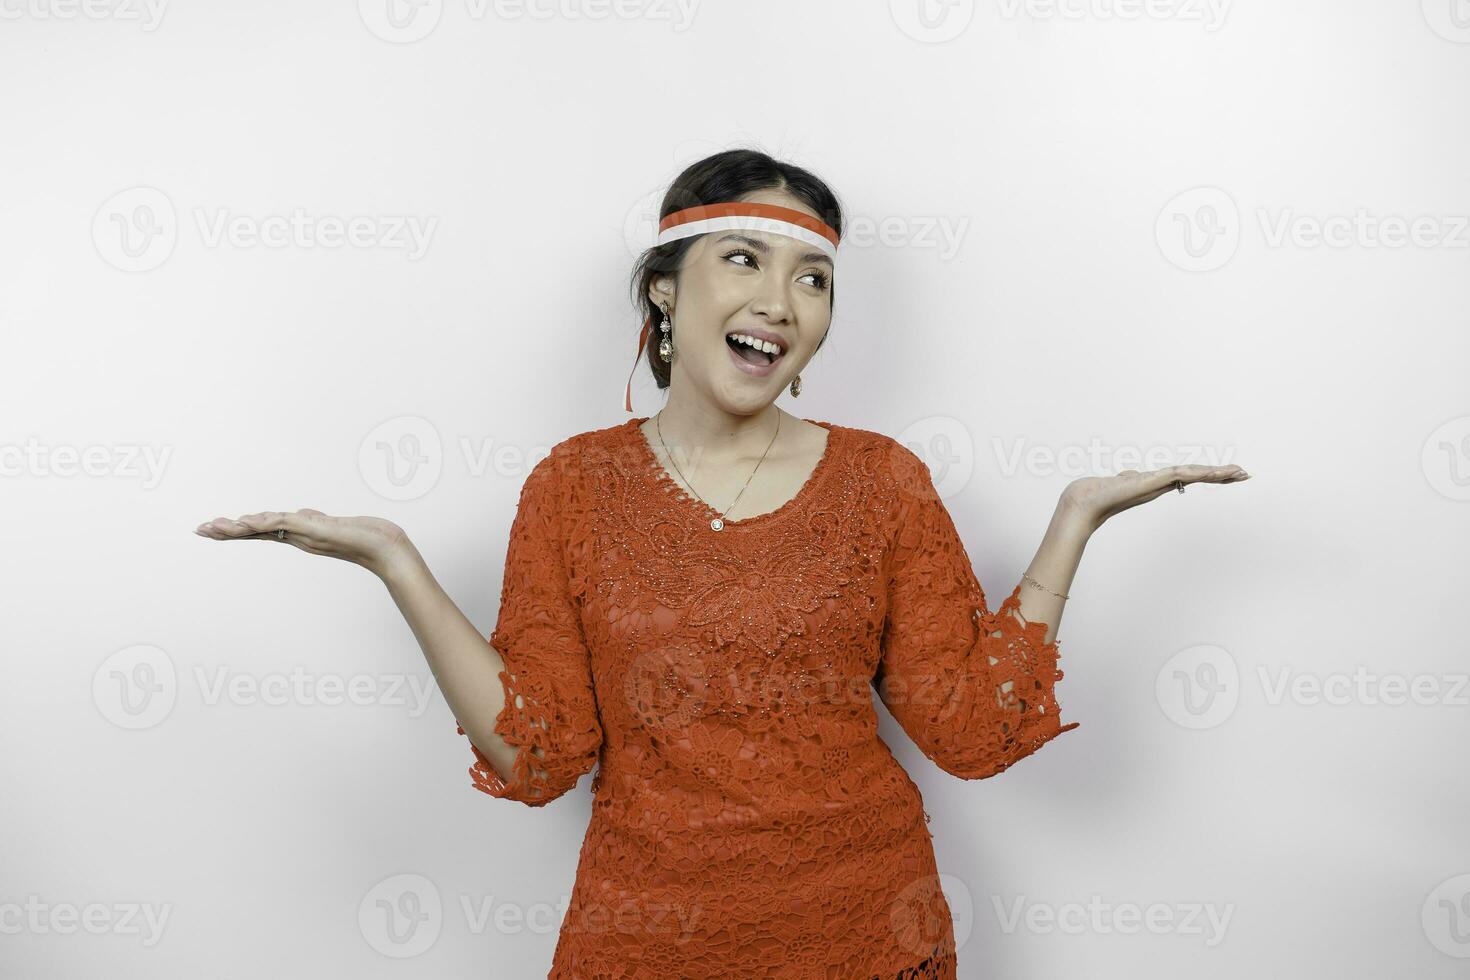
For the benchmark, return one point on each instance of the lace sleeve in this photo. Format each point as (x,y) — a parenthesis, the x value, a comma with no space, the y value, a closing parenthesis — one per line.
(975,691)
(550,712)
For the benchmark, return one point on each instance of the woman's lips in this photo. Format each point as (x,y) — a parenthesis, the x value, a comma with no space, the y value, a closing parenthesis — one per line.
(754,370)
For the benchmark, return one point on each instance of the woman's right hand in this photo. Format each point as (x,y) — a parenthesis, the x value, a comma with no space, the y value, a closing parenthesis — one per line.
(370,542)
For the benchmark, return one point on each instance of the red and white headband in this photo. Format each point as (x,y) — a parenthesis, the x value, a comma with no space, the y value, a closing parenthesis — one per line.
(735,215)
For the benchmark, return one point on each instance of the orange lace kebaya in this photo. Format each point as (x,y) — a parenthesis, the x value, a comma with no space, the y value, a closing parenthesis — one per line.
(747,820)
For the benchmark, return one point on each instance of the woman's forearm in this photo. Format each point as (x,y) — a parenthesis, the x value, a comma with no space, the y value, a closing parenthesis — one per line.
(1084,506)
(465,666)
(1053,566)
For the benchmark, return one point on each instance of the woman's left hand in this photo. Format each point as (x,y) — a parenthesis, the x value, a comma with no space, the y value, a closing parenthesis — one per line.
(1094,499)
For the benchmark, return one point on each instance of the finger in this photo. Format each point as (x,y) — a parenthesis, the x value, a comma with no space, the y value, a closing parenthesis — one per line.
(262,525)
(1153,484)
(221,529)
(275,525)
(307,529)
(259,526)
(1173,477)
(1221,474)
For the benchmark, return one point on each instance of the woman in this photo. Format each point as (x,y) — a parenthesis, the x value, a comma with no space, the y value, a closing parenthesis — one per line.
(703,600)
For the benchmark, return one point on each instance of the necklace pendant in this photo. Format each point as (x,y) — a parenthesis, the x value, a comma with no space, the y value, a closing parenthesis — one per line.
(716,524)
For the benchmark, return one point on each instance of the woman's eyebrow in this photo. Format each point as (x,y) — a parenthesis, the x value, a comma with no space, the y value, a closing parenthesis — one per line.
(761,246)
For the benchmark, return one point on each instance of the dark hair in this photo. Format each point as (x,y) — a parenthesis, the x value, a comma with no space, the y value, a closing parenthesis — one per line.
(724,176)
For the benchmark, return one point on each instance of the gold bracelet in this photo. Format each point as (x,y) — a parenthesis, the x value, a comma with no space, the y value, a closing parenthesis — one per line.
(1043,588)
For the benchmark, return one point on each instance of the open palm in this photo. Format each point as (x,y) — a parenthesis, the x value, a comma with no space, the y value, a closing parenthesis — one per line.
(365,541)
(1097,498)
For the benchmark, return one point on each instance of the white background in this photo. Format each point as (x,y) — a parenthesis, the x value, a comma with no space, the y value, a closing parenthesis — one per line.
(1080,214)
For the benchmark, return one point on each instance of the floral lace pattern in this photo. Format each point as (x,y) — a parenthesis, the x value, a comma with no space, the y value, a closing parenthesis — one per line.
(747,819)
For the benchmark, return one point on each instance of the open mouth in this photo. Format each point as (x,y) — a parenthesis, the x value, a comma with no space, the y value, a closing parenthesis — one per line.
(754,351)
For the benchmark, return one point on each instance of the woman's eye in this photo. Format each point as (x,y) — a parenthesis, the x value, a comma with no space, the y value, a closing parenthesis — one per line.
(821,278)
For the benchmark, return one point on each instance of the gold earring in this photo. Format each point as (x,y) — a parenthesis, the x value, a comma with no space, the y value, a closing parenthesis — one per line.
(796,386)
(665,345)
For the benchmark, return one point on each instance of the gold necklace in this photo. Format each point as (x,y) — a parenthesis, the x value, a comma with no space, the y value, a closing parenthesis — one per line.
(717,523)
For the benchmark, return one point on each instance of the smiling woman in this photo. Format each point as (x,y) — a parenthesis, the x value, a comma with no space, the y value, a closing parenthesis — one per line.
(742,780)
(794,219)
(717,661)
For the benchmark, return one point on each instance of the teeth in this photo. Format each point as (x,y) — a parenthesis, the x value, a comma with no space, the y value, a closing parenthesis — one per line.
(761,345)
